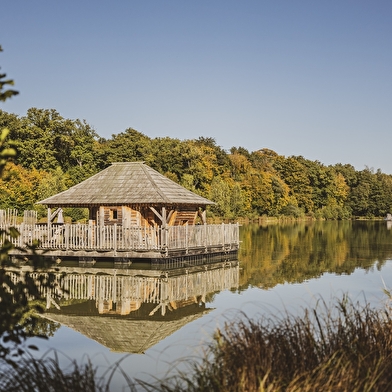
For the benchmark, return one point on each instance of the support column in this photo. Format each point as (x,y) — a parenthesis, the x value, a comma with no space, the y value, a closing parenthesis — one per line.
(49,225)
(164,231)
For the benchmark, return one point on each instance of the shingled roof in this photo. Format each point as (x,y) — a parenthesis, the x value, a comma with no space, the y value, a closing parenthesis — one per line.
(126,183)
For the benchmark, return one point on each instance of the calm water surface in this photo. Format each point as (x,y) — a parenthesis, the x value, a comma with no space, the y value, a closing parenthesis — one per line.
(149,321)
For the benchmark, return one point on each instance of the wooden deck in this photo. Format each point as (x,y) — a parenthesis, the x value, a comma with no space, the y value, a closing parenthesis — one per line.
(87,240)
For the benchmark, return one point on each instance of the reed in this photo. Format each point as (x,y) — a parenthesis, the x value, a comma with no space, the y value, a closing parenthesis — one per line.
(46,375)
(346,347)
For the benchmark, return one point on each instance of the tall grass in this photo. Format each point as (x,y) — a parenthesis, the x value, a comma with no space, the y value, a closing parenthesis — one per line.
(344,348)
(49,374)
(338,347)
(46,375)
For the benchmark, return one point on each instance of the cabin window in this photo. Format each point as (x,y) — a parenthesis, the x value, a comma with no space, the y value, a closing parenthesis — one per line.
(113,214)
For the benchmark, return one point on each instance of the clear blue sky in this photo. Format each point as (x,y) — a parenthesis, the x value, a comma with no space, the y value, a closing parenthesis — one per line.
(310,78)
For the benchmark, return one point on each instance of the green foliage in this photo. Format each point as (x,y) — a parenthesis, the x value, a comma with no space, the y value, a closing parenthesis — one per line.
(333,212)
(127,146)
(45,140)
(6,153)
(77,214)
(230,201)
(6,94)
(297,176)
(292,210)
(51,183)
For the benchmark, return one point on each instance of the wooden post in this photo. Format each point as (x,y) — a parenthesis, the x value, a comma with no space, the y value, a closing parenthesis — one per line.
(66,234)
(164,231)
(114,288)
(205,237)
(204,216)
(101,215)
(49,225)
(223,236)
(186,239)
(115,239)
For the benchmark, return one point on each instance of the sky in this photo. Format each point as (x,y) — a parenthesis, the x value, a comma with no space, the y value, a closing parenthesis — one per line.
(310,78)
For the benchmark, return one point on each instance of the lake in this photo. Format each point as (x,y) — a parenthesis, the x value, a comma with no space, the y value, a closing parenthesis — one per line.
(149,321)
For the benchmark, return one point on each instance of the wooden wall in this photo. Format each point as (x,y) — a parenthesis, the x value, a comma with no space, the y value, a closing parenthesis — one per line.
(128,217)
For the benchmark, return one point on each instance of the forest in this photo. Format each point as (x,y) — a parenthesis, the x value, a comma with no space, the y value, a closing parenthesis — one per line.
(54,153)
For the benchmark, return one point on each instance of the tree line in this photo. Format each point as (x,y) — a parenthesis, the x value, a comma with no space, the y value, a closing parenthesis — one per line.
(54,153)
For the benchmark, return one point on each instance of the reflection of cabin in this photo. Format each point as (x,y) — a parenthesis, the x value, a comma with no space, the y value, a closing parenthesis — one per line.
(131,310)
(125,335)
(134,212)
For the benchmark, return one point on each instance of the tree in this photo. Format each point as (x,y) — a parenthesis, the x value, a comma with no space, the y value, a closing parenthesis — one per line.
(129,145)
(240,166)
(85,158)
(360,200)
(33,139)
(166,156)
(202,160)
(18,187)
(229,199)
(6,94)
(296,175)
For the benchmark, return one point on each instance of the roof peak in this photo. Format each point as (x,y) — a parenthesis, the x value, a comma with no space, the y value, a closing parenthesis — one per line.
(128,163)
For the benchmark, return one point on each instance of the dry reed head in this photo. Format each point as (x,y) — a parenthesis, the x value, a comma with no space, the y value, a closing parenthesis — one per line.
(344,347)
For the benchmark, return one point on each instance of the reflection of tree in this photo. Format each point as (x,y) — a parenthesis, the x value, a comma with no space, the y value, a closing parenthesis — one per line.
(292,252)
(42,327)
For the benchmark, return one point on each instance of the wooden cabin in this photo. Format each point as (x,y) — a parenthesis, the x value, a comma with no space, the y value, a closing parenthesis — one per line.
(132,194)
(134,212)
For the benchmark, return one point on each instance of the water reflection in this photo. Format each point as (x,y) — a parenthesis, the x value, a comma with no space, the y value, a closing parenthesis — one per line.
(130,310)
(272,254)
(175,312)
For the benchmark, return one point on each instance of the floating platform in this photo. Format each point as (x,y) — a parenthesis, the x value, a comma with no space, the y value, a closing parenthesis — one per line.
(90,243)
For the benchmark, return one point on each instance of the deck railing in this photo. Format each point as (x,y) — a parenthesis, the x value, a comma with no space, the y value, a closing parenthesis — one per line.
(119,238)
(127,286)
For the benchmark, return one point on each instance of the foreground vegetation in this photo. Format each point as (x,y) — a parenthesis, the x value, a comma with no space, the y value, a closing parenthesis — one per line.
(344,347)
(54,153)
